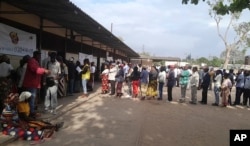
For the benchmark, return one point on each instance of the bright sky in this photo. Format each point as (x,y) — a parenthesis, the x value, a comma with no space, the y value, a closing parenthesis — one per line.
(164,28)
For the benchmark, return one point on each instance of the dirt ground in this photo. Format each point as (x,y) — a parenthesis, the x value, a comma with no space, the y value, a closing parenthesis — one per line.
(104,120)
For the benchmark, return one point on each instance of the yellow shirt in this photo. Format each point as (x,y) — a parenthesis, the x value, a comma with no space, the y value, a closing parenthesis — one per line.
(23,107)
(87,74)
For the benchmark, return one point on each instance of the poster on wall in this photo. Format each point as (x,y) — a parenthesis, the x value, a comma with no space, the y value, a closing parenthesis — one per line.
(75,56)
(14,41)
(83,56)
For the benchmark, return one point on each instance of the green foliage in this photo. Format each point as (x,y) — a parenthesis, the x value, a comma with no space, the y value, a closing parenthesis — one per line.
(222,8)
(216,62)
(202,60)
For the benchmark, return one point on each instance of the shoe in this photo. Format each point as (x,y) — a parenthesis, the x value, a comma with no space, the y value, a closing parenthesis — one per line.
(181,100)
(127,96)
(143,98)
(159,98)
(191,102)
(201,102)
(215,104)
(54,112)
(112,94)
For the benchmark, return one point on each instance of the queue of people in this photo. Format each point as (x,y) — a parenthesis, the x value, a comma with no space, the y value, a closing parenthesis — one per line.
(58,78)
(149,82)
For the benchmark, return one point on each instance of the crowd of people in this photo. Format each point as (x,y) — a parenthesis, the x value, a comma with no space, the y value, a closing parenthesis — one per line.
(19,92)
(147,82)
(56,77)
(36,80)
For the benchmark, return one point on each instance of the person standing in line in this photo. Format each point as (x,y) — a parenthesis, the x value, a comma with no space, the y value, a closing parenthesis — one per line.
(152,85)
(161,81)
(139,67)
(32,79)
(111,77)
(104,78)
(225,90)
(205,85)
(194,83)
(5,79)
(239,87)
(91,81)
(135,79)
(177,75)
(217,87)
(71,76)
(63,78)
(246,94)
(201,75)
(78,77)
(144,82)
(184,78)
(232,79)
(212,74)
(50,102)
(190,73)
(128,80)
(119,78)
(171,79)
(85,76)
(46,60)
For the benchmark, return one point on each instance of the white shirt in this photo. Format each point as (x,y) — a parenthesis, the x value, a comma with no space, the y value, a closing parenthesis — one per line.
(176,72)
(106,71)
(162,77)
(112,73)
(218,79)
(126,68)
(194,80)
(55,69)
(92,69)
(5,69)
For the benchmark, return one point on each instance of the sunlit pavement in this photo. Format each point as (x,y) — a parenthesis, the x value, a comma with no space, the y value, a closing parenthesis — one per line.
(103,120)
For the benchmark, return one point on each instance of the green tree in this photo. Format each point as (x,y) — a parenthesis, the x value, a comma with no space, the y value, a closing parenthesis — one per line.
(242,31)
(225,7)
(202,60)
(216,62)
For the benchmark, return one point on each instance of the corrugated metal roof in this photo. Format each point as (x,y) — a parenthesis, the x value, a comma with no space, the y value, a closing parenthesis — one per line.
(68,15)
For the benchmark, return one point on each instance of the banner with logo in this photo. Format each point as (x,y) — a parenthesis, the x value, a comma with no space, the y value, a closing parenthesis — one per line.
(16,42)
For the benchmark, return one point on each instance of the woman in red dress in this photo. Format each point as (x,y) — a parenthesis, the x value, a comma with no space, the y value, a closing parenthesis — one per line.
(105,81)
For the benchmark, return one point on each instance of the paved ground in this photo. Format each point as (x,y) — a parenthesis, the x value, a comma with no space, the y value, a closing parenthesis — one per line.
(103,120)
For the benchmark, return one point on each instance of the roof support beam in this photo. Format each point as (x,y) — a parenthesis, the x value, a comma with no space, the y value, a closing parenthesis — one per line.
(14,12)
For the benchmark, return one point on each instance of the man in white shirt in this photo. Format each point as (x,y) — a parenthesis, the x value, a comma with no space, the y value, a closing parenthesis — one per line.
(55,69)
(176,75)
(112,72)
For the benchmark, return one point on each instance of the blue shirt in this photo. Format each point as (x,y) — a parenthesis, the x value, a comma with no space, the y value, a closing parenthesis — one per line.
(144,76)
(240,81)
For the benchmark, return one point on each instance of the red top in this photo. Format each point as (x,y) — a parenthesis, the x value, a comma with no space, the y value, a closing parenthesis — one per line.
(33,74)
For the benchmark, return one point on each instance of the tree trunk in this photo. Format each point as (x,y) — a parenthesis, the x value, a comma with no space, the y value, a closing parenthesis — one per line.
(227,58)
